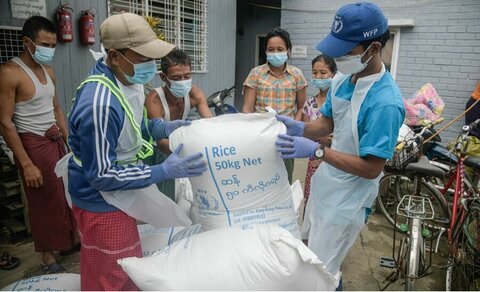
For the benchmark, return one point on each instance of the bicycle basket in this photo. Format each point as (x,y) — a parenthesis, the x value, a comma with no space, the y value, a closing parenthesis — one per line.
(401,158)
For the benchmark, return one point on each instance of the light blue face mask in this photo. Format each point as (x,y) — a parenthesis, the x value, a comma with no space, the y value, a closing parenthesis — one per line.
(321,84)
(181,88)
(277,59)
(43,55)
(143,72)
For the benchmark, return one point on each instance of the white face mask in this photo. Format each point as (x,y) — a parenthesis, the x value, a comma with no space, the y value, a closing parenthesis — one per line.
(352,64)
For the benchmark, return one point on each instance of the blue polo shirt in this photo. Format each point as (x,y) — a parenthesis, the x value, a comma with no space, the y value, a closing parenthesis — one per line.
(380,118)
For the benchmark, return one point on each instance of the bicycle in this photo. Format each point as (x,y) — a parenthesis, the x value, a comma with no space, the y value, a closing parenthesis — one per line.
(463,272)
(411,168)
(399,180)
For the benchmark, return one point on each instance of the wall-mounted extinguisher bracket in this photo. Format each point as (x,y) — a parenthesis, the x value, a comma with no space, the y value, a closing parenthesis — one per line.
(64,24)
(87,27)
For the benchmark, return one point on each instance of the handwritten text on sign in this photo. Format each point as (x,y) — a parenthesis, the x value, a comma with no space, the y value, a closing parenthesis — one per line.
(23,9)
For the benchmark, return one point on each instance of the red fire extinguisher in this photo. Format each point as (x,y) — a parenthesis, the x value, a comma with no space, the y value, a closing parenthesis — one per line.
(87,29)
(64,23)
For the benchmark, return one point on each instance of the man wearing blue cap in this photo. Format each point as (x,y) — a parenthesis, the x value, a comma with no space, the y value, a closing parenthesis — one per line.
(364,109)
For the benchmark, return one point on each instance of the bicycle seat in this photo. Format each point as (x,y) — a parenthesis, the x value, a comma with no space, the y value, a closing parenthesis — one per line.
(423,166)
(472,161)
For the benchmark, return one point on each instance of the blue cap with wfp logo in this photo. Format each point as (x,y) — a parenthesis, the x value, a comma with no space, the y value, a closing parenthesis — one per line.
(352,24)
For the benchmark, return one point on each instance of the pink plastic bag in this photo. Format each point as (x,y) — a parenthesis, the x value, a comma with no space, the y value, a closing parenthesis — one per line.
(424,105)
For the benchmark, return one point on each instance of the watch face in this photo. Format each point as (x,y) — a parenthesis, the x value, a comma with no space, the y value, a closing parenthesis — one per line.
(319,153)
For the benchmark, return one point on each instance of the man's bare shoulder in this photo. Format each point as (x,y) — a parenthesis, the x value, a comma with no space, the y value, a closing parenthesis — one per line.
(196,95)
(50,70)
(10,72)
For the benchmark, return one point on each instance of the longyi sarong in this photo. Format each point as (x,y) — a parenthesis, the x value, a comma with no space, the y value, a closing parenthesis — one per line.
(106,237)
(51,220)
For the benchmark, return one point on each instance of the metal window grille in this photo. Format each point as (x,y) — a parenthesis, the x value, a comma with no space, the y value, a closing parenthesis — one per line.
(183,22)
(11,44)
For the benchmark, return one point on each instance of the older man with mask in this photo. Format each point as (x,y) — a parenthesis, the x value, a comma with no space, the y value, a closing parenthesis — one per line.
(108,137)
(364,109)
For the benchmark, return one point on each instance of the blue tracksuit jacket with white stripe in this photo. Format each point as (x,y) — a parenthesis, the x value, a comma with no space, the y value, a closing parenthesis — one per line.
(93,138)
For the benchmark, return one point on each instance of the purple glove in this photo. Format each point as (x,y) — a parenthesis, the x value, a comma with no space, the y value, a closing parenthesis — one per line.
(294,128)
(173,125)
(176,167)
(295,147)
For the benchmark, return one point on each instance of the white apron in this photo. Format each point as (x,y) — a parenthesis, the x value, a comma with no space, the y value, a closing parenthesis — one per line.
(335,213)
(148,204)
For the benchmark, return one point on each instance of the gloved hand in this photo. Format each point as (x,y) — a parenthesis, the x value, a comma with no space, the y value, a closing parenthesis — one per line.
(176,167)
(173,125)
(295,147)
(294,128)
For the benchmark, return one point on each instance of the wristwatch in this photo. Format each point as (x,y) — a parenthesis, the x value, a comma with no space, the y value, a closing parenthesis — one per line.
(319,152)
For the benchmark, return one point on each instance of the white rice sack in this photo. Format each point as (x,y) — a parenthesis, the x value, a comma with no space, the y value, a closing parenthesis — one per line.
(262,257)
(246,182)
(52,282)
(154,239)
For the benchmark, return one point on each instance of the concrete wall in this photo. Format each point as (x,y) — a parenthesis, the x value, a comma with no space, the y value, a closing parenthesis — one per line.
(443,47)
(73,61)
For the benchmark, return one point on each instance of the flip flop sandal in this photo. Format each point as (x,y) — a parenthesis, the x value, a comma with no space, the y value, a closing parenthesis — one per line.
(8,262)
(54,268)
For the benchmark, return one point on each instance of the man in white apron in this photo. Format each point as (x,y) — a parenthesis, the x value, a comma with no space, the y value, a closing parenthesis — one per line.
(364,109)
(173,102)
(109,134)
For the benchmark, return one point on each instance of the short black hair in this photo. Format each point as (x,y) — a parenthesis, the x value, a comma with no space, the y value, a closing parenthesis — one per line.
(327,60)
(279,32)
(174,58)
(35,24)
(381,39)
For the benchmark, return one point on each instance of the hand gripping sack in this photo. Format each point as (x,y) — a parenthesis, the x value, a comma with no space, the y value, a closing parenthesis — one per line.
(246,181)
(263,257)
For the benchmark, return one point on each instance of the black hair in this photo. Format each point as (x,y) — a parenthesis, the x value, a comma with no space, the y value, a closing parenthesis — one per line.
(35,24)
(327,60)
(381,39)
(279,32)
(174,58)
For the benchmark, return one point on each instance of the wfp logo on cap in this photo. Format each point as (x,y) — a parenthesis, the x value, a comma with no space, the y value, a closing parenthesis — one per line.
(337,24)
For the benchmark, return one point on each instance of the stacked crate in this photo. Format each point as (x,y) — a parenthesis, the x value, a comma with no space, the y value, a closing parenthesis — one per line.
(12,207)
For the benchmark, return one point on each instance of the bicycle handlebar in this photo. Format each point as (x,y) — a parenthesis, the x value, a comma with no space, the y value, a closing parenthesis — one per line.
(472,126)
(420,134)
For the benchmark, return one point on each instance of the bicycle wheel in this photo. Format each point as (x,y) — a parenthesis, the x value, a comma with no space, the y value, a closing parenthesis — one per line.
(466,261)
(392,188)
(415,256)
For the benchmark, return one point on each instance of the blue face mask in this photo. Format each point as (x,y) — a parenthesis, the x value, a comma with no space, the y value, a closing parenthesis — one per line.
(143,72)
(321,84)
(277,59)
(180,89)
(43,55)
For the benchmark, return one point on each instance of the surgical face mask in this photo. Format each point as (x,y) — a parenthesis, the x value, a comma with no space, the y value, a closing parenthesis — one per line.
(143,72)
(277,59)
(43,55)
(322,84)
(352,64)
(181,88)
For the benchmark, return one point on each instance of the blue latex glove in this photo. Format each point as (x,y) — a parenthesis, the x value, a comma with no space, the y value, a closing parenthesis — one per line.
(173,125)
(176,167)
(294,128)
(295,147)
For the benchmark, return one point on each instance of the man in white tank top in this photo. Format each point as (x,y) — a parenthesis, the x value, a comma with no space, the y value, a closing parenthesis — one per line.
(34,128)
(173,102)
